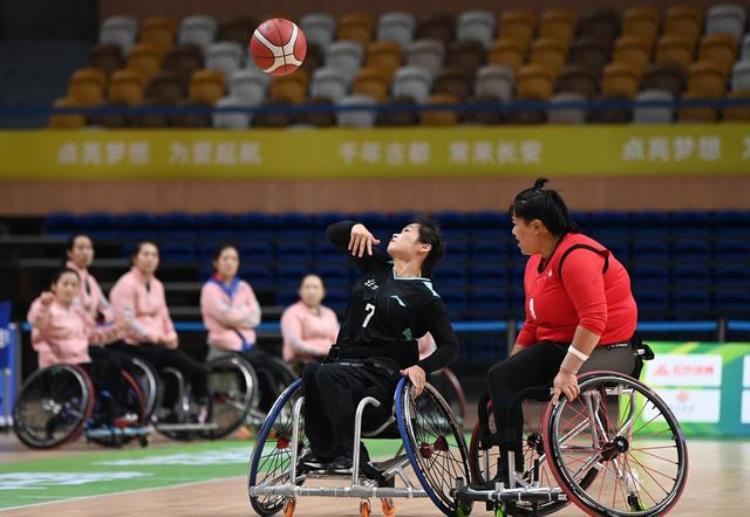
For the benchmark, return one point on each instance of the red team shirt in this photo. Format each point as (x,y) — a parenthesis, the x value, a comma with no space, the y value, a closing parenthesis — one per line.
(602,303)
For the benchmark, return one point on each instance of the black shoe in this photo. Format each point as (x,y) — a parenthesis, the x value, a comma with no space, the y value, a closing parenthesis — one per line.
(310,462)
(341,465)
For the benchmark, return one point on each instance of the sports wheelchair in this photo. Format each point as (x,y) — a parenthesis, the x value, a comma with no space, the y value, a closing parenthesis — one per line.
(432,444)
(615,450)
(59,403)
(234,395)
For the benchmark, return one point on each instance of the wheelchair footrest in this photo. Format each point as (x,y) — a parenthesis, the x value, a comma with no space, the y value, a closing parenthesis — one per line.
(187,427)
(506,495)
(112,432)
(356,491)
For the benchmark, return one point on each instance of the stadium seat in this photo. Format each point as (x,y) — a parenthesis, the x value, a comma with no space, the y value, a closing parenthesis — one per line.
(199,118)
(550,53)
(476,26)
(707,78)
(399,111)
(746,47)
(428,54)
(610,115)
(535,81)
(447,117)
(691,300)
(145,58)
(491,275)
(412,81)
(495,81)
(86,86)
(649,300)
(730,249)
(314,59)
(396,27)
(318,118)
(159,32)
(206,86)
(357,27)
(589,52)
(453,81)
(120,31)
(346,57)
(668,77)
(649,223)
(165,87)
(109,120)
(719,49)
(726,19)
(633,50)
(674,49)
(732,223)
(237,30)
(198,30)
(454,300)
(488,302)
(364,118)
(371,82)
(650,275)
(653,114)
(738,113)
(184,60)
(642,21)
(319,28)
(566,115)
(602,24)
(691,250)
(273,118)
(654,250)
(294,251)
(225,56)
(126,87)
(450,276)
(385,56)
(290,88)
(150,120)
(469,55)
(259,277)
(517,25)
(107,57)
(559,24)
(234,120)
(507,52)
(439,27)
(727,300)
(176,252)
(693,114)
(328,83)
(741,75)
(691,223)
(580,79)
(685,21)
(249,84)
(620,79)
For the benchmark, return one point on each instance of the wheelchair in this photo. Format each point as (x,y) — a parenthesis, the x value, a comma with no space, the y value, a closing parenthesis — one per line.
(615,450)
(448,385)
(432,444)
(58,404)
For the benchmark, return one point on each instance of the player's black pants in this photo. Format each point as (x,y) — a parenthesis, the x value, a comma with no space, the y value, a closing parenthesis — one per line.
(537,366)
(106,376)
(332,392)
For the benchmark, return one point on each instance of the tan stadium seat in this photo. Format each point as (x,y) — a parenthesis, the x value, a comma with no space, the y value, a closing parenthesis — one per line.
(518,25)
(159,32)
(685,21)
(674,49)
(620,79)
(559,24)
(146,59)
(357,27)
(126,87)
(579,79)
(440,118)
(707,78)
(642,21)
(290,88)
(738,113)
(696,113)
(385,56)
(87,85)
(107,57)
(372,82)
(507,52)
(166,87)
(206,86)
(549,52)
(71,121)
(720,49)
(535,81)
(634,50)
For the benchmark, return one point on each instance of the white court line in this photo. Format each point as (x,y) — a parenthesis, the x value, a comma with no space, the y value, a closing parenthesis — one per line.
(137,491)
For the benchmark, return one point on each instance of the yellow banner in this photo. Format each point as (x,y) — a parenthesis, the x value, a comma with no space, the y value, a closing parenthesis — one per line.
(412,152)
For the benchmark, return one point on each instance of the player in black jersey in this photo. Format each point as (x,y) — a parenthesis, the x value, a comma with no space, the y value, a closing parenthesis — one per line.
(392,304)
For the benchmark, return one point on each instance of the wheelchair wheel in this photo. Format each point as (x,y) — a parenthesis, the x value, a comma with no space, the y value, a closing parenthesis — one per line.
(434,444)
(271,458)
(484,456)
(232,386)
(447,384)
(134,403)
(184,411)
(625,431)
(53,406)
(145,374)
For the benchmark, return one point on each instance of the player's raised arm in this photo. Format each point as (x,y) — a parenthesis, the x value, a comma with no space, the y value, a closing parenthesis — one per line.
(358,242)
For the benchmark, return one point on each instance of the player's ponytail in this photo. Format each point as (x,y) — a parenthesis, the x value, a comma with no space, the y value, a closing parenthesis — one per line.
(546,205)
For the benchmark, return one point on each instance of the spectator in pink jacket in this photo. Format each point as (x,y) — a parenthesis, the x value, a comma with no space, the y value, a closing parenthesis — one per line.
(141,310)
(308,328)
(61,332)
(80,255)
(231,312)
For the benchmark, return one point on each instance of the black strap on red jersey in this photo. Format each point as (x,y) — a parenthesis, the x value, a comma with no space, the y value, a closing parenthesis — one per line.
(603,253)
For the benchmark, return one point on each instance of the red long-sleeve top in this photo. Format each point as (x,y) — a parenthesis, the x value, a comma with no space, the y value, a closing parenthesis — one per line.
(580,293)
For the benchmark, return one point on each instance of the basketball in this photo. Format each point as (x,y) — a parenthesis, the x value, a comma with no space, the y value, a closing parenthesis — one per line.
(278,46)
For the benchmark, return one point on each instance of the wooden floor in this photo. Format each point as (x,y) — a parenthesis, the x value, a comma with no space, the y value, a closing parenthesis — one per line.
(718,484)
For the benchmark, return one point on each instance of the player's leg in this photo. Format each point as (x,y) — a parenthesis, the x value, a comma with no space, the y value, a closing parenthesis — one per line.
(317,426)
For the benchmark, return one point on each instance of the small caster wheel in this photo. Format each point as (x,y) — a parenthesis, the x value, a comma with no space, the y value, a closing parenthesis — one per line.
(364,509)
(289,508)
(389,507)
(143,441)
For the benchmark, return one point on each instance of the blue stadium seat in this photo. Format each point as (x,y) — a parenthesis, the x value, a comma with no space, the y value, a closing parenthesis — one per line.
(650,249)
(376,222)
(177,251)
(607,226)
(325,251)
(451,219)
(450,276)
(650,275)
(294,226)
(649,222)
(61,223)
(333,275)
(733,249)
(177,225)
(259,277)
(398,220)
(455,235)
(733,276)
(455,302)
(652,299)
(99,225)
(256,252)
(491,275)
(691,249)
(692,223)
(691,275)
(291,274)
(287,296)
(620,250)
(727,300)
(485,250)
(337,299)
(488,302)
(252,226)
(581,219)
(216,221)
(691,300)
(137,226)
(293,251)
(323,219)
(732,223)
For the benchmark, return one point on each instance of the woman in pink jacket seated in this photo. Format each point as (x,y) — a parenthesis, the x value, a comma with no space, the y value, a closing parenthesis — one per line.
(141,310)
(231,312)
(308,328)
(79,256)
(61,332)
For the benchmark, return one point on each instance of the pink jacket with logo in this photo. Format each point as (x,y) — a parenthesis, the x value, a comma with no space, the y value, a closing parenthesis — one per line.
(61,335)
(91,297)
(141,309)
(230,313)
(306,334)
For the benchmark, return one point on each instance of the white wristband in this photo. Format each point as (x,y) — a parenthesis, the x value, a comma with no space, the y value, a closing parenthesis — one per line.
(580,355)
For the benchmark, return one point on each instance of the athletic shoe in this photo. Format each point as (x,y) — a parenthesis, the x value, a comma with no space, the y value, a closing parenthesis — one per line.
(310,462)
(126,420)
(341,465)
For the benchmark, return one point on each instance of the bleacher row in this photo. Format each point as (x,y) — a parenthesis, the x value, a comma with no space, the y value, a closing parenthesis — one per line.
(638,53)
(681,263)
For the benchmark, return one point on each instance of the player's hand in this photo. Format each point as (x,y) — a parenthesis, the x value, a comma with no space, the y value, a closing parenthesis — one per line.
(47,298)
(361,240)
(417,376)
(565,383)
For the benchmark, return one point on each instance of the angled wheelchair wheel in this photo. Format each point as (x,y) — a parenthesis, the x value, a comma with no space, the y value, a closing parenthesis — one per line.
(134,403)
(272,454)
(53,406)
(448,385)
(434,444)
(232,385)
(148,381)
(624,430)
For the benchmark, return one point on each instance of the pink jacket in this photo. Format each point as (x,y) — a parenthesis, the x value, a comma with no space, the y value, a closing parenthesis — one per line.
(61,335)
(142,312)
(92,298)
(306,334)
(230,314)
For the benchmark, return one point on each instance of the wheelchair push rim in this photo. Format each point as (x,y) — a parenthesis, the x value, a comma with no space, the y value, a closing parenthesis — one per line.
(232,386)
(629,435)
(134,402)
(60,416)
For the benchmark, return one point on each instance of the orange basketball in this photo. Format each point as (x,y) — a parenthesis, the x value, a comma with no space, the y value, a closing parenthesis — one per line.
(278,46)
